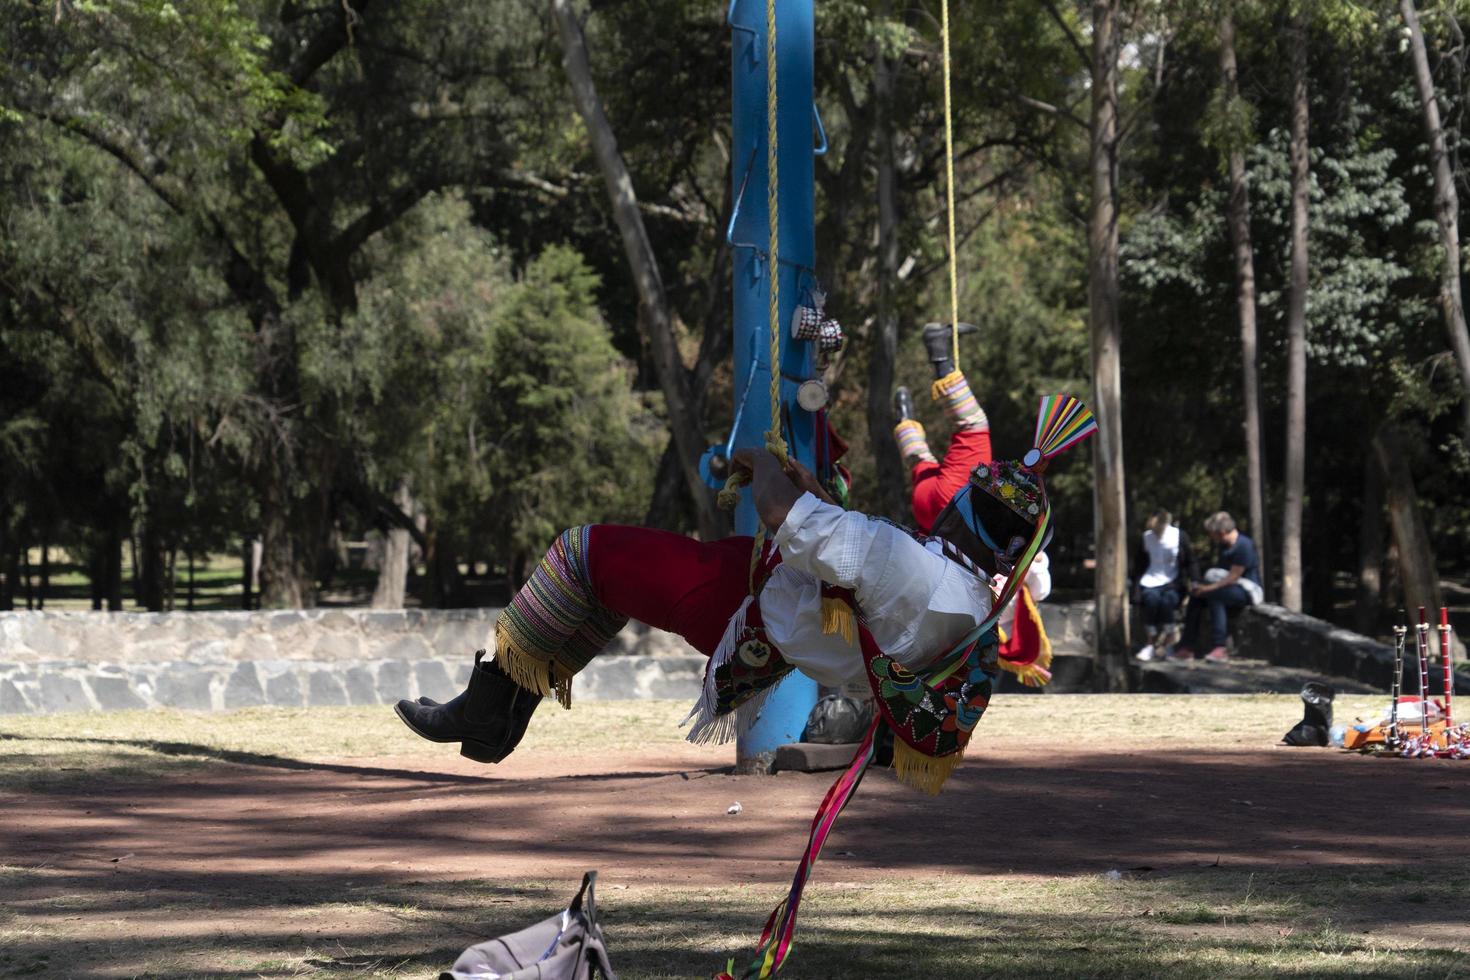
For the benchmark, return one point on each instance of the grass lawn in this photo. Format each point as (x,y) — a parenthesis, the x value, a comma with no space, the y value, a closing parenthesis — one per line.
(1358,921)
(55,750)
(1204,925)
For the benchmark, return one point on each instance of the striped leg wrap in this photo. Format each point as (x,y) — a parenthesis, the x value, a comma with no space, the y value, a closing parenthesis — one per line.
(959,401)
(554,626)
(912,441)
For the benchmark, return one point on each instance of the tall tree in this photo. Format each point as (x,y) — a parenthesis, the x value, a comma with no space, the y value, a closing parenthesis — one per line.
(1109,494)
(1236,122)
(1446,207)
(883,350)
(653,307)
(1296,320)
(1417,573)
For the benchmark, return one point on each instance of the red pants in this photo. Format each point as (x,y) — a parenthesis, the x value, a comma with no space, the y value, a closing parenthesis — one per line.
(936,483)
(670,582)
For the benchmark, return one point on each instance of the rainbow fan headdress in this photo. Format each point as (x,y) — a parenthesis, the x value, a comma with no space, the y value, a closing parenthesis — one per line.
(1061,422)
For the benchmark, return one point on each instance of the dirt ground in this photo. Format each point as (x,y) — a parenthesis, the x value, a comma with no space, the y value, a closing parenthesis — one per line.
(229,839)
(661,816)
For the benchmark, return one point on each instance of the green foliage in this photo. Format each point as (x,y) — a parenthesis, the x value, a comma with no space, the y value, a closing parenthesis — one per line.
(501,401)
(262,264)
(571,441)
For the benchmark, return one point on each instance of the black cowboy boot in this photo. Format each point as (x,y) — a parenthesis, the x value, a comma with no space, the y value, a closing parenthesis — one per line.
(903,404)
(488,718)
(939,342)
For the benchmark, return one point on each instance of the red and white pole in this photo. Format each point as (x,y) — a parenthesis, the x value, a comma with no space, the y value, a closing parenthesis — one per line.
(1423,648)
(1449,674)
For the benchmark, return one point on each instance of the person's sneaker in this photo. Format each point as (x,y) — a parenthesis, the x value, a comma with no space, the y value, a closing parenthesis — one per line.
(903,403)
(1219,655)
(1180,653)
(1146,654)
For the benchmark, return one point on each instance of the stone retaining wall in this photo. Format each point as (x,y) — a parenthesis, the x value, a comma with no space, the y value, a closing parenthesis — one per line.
(1278,635)
(87,661)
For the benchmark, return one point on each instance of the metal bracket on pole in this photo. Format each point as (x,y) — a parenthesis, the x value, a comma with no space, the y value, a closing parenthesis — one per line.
(755,49)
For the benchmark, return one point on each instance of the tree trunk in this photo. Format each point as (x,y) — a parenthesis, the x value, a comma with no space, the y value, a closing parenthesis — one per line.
(189,596)
(153,570)
(45,575)
(1245,300)
(393,572)
(882,352)
(669,506)
(170,578)
(1296,328)
(653,308)
(666,509)
(25,575)
(1109,495)
(1446,209)
(1369,605)
(9,572)
(96,570)
(112,571)
(1417,570)
(445,586)
(247,574)
(284,579)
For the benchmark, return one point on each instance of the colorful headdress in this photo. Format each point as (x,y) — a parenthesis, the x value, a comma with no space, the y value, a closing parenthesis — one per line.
(1061,422)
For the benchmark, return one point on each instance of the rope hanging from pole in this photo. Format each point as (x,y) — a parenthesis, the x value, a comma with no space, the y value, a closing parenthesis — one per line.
(730,496)
(774,442)
(954,292)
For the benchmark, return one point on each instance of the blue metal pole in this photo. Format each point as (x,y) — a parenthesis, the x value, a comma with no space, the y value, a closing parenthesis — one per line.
(786,710)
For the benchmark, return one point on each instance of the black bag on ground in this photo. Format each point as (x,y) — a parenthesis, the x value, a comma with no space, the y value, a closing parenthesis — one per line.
(837,720)
(567,946)
(1317,719)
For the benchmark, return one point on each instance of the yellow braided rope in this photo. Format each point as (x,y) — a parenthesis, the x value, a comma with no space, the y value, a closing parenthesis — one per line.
(954,292)
(730,496)
(774,442)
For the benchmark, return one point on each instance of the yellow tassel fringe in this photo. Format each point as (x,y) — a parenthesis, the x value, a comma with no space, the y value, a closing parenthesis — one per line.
(922,772)
(1038,672)
(939,389)
(838,617)
(1043,659)
(530,671)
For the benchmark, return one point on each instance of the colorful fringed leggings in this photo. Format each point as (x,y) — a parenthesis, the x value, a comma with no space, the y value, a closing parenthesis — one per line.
(935,480)
(597,576)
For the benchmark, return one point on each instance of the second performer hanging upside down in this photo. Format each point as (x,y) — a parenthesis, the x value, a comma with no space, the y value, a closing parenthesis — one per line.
(837,595)
(936,481)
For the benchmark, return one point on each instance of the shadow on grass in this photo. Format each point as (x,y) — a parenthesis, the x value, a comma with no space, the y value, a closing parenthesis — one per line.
(207,753)
(194,750)
(325,926)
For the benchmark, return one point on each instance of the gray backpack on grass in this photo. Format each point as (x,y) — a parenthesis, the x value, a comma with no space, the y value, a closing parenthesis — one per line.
(567,946)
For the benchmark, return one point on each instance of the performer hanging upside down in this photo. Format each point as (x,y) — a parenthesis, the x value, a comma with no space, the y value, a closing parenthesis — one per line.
(936,481)
(838,595)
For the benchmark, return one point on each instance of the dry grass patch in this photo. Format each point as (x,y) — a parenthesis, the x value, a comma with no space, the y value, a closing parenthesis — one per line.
(1201,925)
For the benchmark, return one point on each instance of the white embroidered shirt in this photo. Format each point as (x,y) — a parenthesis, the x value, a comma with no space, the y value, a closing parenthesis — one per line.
(916,602)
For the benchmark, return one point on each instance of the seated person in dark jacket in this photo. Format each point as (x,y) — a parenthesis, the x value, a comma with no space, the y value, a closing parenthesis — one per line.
(1163,567)
(1234,583)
